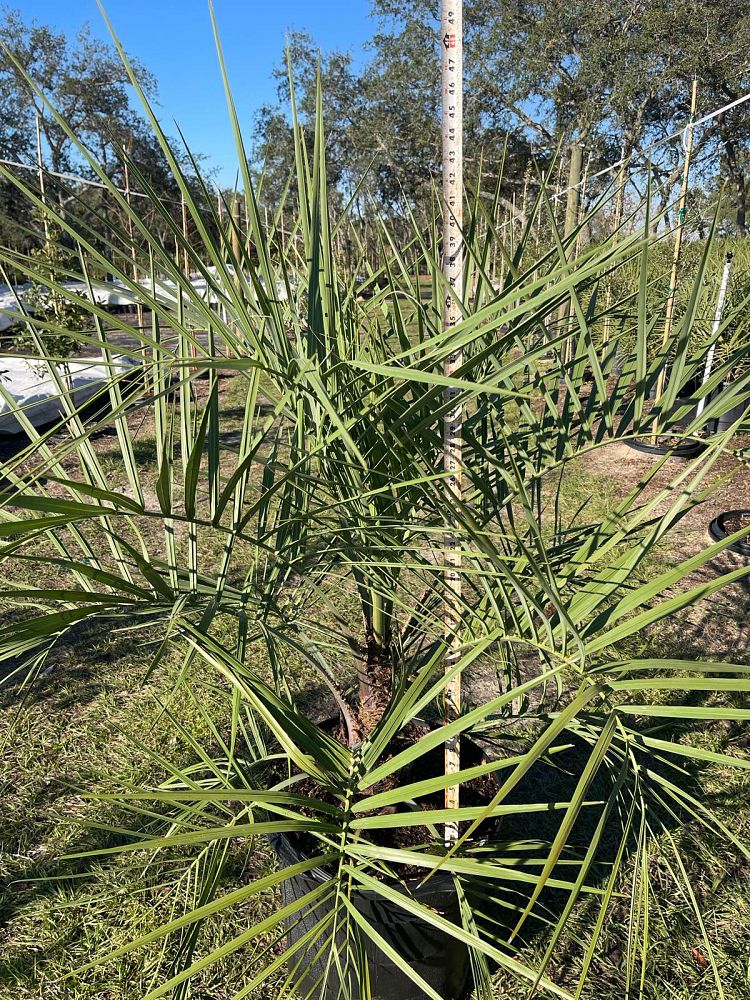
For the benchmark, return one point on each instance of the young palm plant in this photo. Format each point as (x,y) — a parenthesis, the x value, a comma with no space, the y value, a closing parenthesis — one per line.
(328,508)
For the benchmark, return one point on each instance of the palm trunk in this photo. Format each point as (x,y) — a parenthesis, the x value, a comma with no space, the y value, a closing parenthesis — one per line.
(375,677)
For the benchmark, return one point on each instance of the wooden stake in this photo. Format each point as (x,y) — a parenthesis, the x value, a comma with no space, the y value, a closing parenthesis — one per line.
(451,40)
(133,254)
(571,221)
(661,380)
(619,207)
(40,171)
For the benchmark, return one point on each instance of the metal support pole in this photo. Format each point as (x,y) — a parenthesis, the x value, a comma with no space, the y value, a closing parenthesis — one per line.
(451,42)
(715,329)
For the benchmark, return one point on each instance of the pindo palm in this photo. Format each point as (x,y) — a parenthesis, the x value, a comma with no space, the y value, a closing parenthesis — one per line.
(317,532)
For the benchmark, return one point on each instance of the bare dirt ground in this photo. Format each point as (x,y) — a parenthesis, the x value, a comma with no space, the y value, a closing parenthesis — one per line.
(720,624)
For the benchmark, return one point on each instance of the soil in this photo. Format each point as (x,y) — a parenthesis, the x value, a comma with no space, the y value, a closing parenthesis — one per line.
(736,521)
(716,627)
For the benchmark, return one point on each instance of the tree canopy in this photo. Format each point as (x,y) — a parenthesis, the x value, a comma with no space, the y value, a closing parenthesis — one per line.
(539,74)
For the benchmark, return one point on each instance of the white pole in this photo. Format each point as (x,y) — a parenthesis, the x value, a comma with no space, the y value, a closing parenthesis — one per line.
(451,42)
(715,329)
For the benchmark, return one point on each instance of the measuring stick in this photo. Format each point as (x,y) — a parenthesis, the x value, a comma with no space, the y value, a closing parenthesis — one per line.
(451,43)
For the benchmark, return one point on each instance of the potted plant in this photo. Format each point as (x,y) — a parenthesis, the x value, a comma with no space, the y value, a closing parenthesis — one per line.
(329,515)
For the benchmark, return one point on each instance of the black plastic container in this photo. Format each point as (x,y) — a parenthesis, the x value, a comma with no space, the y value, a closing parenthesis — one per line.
(441,960)
(687,398)
(725,421)
(688,449)
(717,530)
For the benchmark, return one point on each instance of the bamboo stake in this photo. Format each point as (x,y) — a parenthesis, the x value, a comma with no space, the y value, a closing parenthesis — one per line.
(558,189)
(236,233)
(186,260)
(582,204)
(185,257)
(451,35)
(661,380)
(133,254)
(220,213)
(619,208)
(715,329)
(40,171)
(571,220)
(54,297)
(524,200)
(495,241)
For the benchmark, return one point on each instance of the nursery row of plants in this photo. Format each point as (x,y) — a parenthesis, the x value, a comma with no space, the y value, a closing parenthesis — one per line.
(305,535)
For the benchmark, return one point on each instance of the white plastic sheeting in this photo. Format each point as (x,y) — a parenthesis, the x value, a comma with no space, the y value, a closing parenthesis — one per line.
(9,305)
(111,294)
(29,385)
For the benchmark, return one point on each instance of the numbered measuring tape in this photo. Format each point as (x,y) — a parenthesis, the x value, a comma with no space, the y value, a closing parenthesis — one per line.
(451,34)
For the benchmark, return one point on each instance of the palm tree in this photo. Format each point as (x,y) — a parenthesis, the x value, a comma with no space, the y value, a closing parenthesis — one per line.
(328,508)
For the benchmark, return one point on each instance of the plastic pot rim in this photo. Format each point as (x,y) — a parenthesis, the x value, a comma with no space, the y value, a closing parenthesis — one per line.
(688,450)
(718,532)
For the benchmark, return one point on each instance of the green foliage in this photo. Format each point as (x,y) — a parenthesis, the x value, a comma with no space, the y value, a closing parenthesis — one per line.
(695,275)
(333,494)
(48,265)
(614,77)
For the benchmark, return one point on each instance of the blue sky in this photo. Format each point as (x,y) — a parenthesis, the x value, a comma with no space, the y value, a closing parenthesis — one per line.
(173,39)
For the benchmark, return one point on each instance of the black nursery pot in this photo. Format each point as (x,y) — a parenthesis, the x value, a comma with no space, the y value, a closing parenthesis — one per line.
(689,449)
(725,421)
(718,530)
(438,958)
(687,398)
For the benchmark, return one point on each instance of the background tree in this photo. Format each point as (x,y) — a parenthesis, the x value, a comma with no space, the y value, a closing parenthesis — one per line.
(539,75)
(86,81)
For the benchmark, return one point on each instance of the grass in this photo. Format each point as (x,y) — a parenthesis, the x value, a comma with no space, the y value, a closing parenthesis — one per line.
(92,721)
